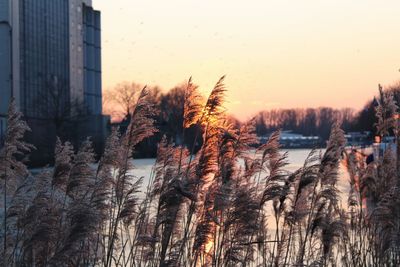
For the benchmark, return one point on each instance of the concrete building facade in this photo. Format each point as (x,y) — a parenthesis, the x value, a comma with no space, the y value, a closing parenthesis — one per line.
(50,58)
(6,59)
(92,59)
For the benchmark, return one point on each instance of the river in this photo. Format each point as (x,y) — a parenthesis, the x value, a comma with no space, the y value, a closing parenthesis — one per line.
(296,159)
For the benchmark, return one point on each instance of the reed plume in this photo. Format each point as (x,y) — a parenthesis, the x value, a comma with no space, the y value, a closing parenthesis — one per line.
(12,170)
(233,203)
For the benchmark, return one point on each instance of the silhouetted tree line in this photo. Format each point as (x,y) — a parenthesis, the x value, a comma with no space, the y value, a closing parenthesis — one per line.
(168,119)
(318,121)
(365,119)
(169,106)
(307,121)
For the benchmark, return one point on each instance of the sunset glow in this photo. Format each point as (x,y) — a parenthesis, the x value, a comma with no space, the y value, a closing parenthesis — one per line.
(199,133)
(331,53)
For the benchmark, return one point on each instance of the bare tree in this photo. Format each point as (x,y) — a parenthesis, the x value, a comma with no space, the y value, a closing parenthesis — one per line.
(55,105)
(119,102)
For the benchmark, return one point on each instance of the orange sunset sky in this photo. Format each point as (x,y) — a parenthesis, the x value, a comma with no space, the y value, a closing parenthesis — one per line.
(276,54)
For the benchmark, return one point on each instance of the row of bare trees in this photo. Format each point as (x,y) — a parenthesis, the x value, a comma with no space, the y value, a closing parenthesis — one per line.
(169,113)
(307,121)
(225,205)
(118,102)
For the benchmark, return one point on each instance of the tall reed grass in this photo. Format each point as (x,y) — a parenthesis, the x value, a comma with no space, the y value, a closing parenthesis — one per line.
(226,205)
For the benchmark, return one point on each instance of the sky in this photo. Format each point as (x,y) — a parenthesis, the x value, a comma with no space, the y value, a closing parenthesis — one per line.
(275,54)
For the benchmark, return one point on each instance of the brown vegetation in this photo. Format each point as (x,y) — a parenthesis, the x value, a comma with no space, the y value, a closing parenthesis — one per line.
(226,205)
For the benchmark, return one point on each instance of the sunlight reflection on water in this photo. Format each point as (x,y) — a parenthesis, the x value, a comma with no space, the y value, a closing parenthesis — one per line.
(296,159)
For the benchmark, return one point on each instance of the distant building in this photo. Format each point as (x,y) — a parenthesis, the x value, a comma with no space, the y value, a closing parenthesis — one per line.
(50,59)
(289,139)
(358,139)
(380,147)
